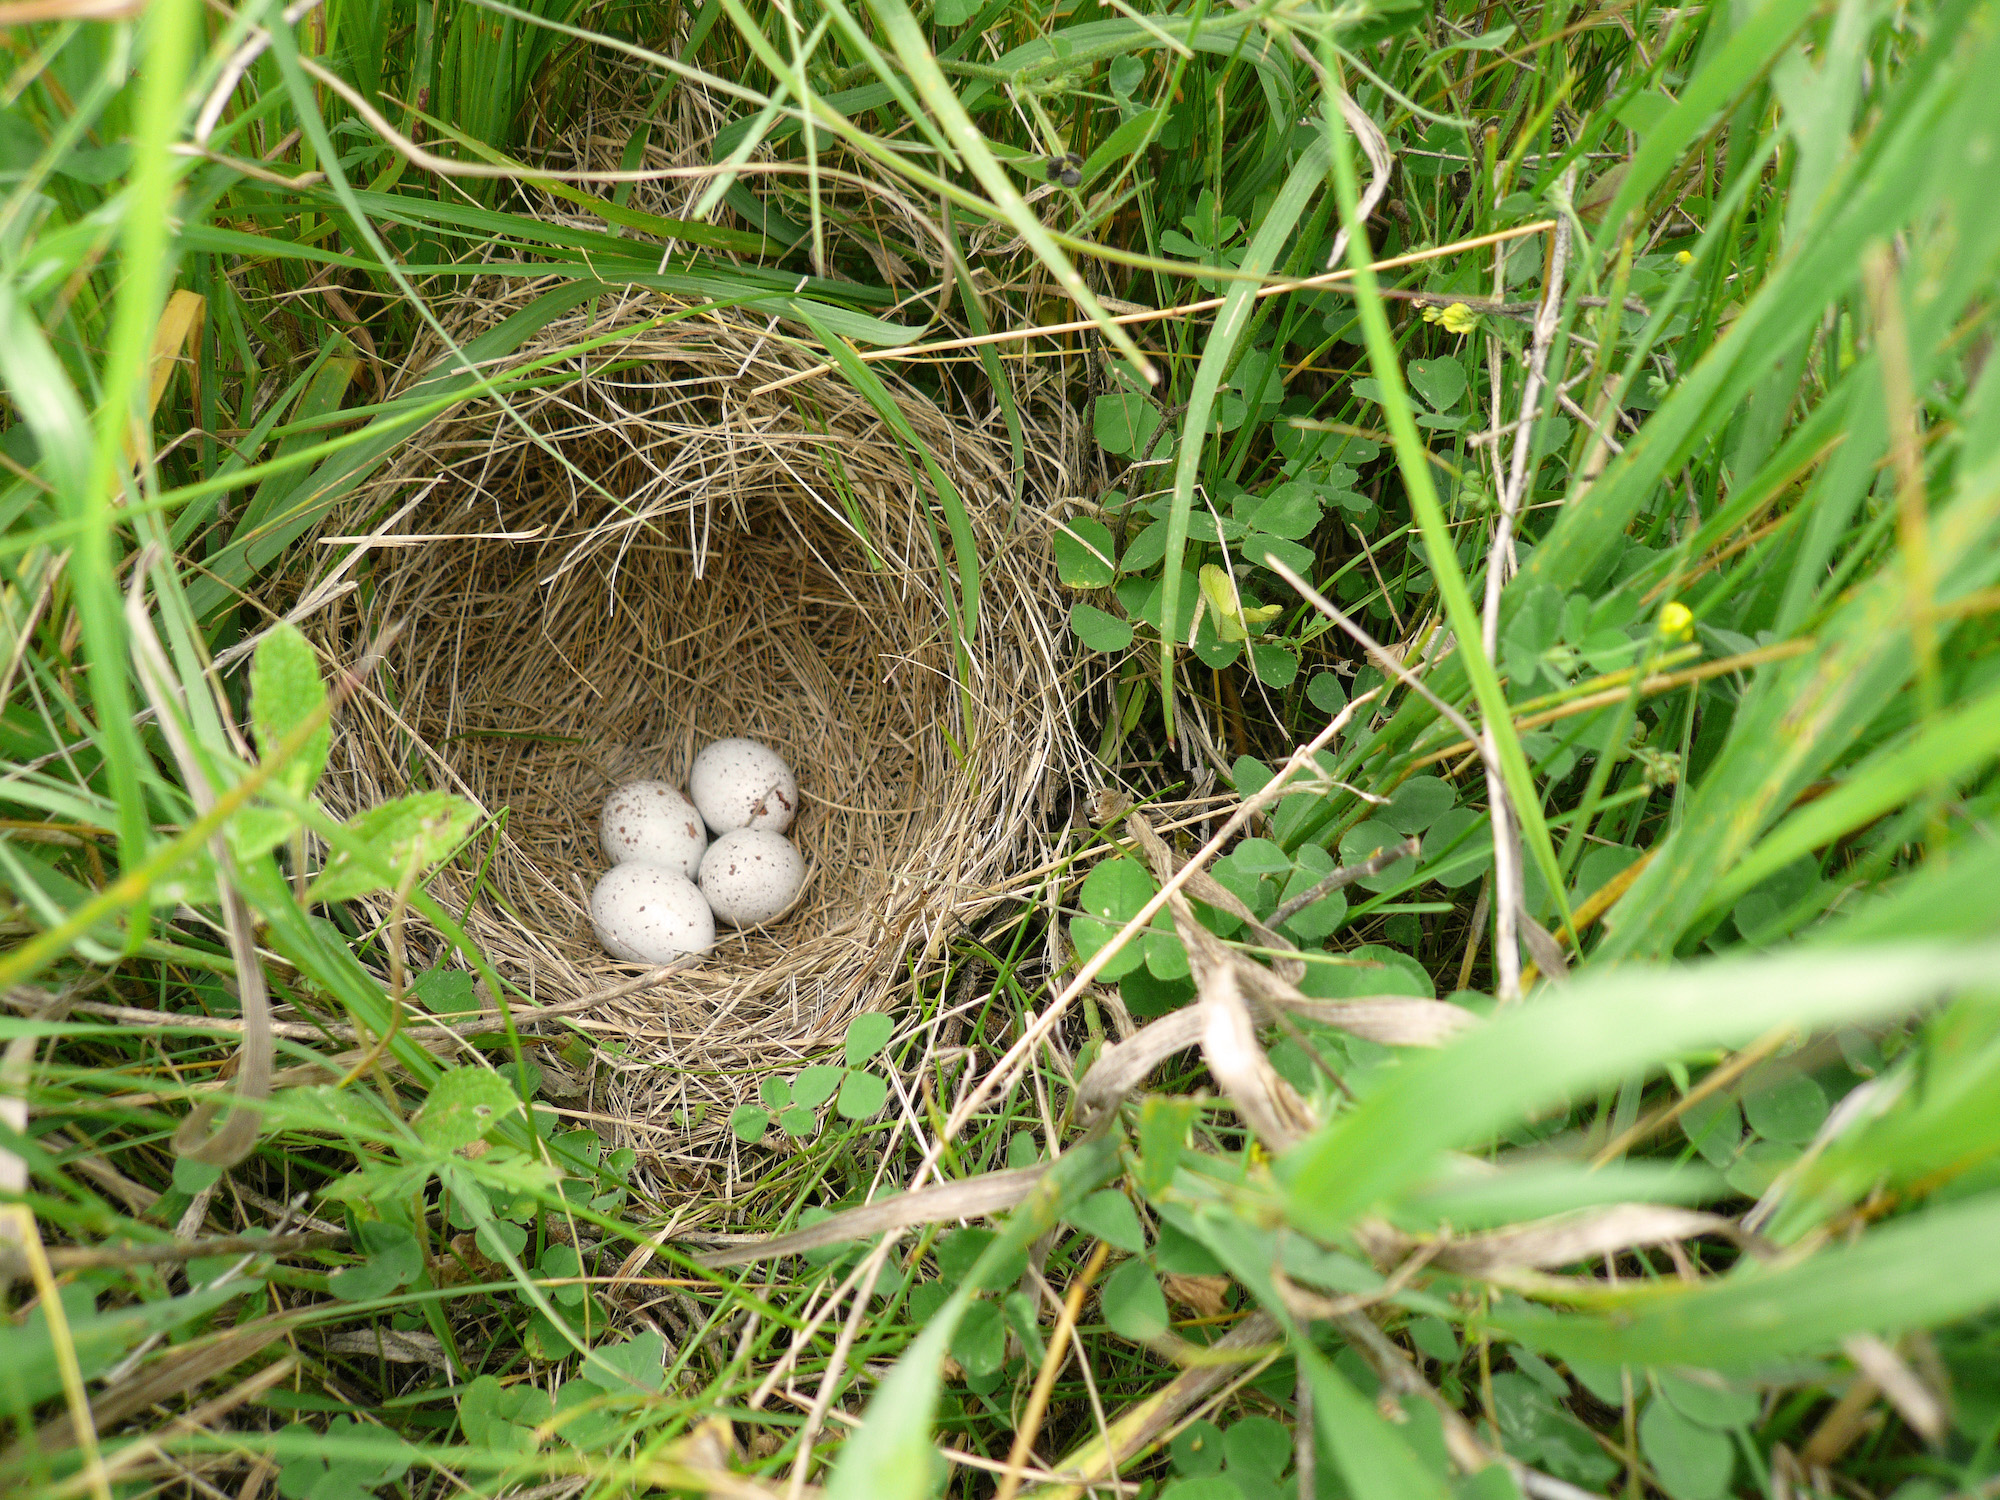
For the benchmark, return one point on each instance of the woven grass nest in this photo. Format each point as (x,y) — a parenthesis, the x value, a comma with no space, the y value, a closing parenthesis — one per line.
(769,565)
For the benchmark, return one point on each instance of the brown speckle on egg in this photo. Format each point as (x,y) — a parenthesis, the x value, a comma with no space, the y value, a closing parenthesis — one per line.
(750,876)
(652,822)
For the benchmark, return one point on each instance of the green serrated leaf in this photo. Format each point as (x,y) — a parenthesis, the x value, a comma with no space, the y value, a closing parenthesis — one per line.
(286,691)
(411,832)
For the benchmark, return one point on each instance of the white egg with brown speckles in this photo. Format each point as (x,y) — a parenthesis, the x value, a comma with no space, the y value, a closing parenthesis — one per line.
(739,783)
(649,914)
(651,822)
(750,876)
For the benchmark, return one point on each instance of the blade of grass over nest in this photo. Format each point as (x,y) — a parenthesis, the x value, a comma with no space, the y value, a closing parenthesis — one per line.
(965,549)
(911,47)
(1217,356)
(1414,463)
(349,459)
(1603,1026)
(285,52)
(889,1458)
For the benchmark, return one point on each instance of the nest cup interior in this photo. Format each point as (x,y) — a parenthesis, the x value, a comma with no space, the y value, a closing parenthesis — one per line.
(739,564)
(545,696)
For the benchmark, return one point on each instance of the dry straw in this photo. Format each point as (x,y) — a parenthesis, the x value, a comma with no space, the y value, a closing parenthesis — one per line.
(771,565)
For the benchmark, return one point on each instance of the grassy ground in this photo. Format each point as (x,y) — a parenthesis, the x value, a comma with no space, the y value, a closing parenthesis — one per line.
(1620,527)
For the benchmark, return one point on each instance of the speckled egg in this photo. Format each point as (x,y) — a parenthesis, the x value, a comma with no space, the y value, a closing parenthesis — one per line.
(649,914)
(750,875)
(651,822)
(742,784)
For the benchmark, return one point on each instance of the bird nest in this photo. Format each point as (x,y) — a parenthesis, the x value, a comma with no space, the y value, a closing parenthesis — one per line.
(649,553)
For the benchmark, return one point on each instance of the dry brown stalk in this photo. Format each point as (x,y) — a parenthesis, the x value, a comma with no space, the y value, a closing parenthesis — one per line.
(1045,1378)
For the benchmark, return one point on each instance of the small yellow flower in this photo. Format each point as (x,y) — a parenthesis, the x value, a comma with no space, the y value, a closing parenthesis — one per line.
(1459,319)
(1684,257)
(1676,621)
(1431,314)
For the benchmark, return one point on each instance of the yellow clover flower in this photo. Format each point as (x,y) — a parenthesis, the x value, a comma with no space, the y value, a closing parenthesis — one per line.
(1459,319)
(1676,621)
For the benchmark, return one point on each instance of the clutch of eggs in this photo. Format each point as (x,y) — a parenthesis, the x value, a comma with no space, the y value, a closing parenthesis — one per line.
(648,908)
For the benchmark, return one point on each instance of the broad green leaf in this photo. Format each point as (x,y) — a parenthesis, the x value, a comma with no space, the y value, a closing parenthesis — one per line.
(1439,381)
(1258,1449)
(1197,1449)
(1116,890)
(1706,1399)
(867,1035)
(1364,841)
(980,1344)
(1275,665)
(1417,804)
(1124,423)
(1133,1304)
(1326,693)
(1109,1216)
(392,1259)
(812,1087)
(285,691)
(1086,557)
(1290,511)
(1099,631)
(641,1360)
(1693,1462)
(862,1096)
(1790,1111)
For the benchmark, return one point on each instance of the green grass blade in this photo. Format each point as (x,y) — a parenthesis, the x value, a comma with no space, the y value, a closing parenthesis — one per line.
(1602,1027)
(1218,354)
